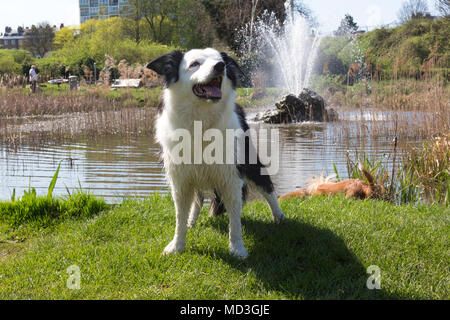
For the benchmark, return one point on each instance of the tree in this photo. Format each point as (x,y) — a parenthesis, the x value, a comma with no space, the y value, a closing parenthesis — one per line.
(229,16)
(39,40)
(63,36)
(184,22)
(412,9)
(157,14)
(136,14)
(443,6)
(347,27)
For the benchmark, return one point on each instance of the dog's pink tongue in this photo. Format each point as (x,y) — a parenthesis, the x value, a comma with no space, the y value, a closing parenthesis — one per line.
(213,92)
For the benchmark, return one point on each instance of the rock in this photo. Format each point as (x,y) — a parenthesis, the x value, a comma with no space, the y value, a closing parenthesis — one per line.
(308,106)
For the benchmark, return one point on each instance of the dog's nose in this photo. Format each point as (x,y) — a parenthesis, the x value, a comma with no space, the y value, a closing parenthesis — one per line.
(219,67)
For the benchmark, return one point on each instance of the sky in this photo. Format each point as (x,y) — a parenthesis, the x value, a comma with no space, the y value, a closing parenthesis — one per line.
(367,13)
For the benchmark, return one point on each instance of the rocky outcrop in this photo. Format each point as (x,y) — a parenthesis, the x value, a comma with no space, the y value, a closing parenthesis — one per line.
(308,106)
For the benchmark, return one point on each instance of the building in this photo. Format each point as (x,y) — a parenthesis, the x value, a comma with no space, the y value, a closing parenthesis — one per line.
(12,39)
(103,9)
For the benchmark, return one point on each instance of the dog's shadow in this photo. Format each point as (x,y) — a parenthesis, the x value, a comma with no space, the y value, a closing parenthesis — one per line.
(301,261)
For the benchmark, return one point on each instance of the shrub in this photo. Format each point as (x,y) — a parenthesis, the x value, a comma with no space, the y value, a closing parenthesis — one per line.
(15,61)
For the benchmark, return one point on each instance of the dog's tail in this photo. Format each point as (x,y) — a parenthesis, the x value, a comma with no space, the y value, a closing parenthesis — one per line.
(315,182)
(367,174)
(217,207)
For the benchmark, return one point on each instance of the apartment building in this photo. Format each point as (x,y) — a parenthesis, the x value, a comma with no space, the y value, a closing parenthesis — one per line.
(103,9)
(12,39)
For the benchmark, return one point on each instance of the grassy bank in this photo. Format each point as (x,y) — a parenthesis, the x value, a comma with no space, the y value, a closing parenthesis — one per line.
(322,251)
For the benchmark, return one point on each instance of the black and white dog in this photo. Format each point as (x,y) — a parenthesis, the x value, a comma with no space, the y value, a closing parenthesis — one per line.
(200,88)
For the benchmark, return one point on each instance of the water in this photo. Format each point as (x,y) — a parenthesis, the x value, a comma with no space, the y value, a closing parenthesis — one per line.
(115,168)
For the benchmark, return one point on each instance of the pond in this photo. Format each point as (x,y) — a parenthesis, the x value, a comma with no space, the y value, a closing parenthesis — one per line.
(116,167)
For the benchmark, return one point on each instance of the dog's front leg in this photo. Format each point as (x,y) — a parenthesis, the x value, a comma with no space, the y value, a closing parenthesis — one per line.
(183,200)
(196,207)
(232,199)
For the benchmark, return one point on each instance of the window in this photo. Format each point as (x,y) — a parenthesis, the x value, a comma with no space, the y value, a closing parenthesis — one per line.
(6,42)
(93,11)
(13,42)
(113,2)
(84,12)
(83,19)
(103,10)
(94,3)
(84,3)
(103,2)
(113,10)
(123,2)
(124,10)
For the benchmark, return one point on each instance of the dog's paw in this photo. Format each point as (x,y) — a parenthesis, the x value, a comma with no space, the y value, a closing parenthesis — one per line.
(238,250)
(279,217)
(173,247)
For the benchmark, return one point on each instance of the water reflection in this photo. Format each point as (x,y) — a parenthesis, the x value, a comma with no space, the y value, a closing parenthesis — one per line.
(112,167)
(115,167)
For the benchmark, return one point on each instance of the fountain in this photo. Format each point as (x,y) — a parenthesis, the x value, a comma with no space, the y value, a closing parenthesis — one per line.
(291,47)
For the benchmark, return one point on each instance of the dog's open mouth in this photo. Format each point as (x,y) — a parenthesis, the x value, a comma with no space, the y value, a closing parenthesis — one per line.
(209,91)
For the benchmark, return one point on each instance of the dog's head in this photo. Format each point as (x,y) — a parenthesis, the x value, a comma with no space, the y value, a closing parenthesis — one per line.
(206,75)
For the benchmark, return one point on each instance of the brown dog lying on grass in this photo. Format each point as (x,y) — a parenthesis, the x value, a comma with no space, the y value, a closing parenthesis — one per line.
(351,188)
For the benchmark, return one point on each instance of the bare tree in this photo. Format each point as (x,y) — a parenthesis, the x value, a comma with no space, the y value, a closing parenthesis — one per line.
(347,27)
(39,39)
(443,6)
(412,9)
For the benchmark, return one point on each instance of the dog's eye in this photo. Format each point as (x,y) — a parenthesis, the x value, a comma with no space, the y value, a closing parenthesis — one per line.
(194,64)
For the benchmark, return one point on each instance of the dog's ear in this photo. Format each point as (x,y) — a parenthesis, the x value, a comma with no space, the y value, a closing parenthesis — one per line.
(234,72)
(168,66)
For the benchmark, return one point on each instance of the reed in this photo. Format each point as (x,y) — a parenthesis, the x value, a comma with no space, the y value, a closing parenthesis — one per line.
(428,169)
(422,174)
(57,114)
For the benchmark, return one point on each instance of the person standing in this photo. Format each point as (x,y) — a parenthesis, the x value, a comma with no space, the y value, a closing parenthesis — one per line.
(33,78)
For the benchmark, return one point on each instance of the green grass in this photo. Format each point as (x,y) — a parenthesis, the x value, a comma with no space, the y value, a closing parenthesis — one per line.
(322,251)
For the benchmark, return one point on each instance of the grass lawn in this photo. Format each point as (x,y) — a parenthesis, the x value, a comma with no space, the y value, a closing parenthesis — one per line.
(321,252)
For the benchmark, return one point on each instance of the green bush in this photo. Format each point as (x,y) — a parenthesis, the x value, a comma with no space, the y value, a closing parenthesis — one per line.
(402,51)
(15,61)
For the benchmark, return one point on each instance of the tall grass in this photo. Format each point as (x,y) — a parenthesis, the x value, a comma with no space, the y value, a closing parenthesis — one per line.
(422,175)
(428,168)
(57,113)
(45,211)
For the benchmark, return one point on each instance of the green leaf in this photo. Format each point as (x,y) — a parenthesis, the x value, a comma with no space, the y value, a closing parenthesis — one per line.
(53,182)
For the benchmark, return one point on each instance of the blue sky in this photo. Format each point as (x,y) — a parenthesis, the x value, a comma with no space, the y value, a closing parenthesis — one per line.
(328,12)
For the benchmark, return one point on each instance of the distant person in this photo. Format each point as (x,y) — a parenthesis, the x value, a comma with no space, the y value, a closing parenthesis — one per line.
(33,78)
